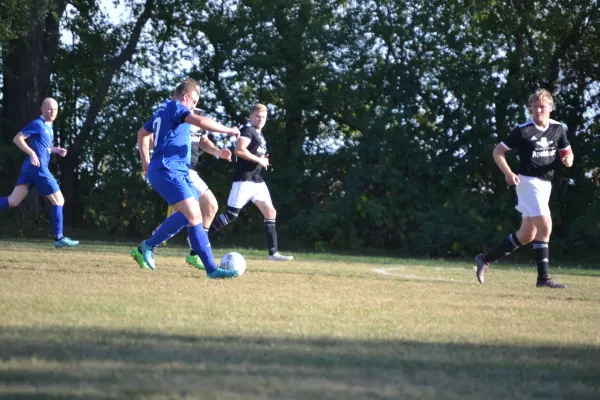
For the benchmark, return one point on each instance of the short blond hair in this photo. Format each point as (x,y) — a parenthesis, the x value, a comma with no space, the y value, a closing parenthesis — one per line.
(541,95)
(188,86)
(258,108)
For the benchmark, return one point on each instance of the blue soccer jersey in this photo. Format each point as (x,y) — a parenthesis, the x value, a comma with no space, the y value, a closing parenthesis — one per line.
(41,141)
(171,136)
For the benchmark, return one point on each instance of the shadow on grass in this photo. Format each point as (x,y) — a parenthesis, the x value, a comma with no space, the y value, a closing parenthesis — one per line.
(88,363)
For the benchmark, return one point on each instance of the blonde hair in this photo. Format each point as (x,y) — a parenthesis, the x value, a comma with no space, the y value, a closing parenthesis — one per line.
(541,95)
(187,86)
(258,108)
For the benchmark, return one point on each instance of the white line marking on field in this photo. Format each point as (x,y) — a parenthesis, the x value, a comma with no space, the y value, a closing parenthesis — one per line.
(392,272)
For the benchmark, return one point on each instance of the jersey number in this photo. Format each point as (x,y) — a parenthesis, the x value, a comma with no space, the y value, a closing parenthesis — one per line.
(156,129)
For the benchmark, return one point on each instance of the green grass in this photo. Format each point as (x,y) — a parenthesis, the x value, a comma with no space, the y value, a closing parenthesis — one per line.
(87,323)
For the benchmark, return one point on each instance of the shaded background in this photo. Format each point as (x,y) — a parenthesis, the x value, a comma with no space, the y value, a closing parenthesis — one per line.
(383,114)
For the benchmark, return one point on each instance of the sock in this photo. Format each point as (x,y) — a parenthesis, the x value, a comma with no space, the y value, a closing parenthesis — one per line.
(57,222)
(201,246)
(192,252)
(507,246)
(168,229)
(271,235)
(224,219)
(542,254)
(4,203)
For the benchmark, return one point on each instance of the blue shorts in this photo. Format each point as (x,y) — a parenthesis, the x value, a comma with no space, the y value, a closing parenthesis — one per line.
(173,185)
(41,179)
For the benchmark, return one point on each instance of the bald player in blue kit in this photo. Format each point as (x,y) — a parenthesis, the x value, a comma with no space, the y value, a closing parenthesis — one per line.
(37,141)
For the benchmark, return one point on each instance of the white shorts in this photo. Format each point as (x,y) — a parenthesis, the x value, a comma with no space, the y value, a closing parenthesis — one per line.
(199,184)
(534,195)
(243,192)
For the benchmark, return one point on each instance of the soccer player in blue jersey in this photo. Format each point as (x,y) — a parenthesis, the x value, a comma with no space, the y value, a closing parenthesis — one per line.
(35,172)
(168,173)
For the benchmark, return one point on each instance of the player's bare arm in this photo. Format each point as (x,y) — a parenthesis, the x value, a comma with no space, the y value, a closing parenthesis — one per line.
(210,125)
(209,147)
(59,150)
(567,157)
(241,150)
(143,141)
(500,159)
(21,141)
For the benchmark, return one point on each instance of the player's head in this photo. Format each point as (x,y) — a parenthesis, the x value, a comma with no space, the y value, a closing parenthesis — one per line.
(542,104)
(188,93)
(49,109)
(258,116)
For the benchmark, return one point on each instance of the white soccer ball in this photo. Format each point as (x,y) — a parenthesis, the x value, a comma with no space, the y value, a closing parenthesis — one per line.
(234,261)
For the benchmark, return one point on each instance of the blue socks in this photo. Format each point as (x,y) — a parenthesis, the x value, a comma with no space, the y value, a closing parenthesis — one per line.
(4,203)
(201,245)
(57,222)
(168,229)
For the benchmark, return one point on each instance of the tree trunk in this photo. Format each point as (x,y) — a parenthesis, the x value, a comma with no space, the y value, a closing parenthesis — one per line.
(26,67)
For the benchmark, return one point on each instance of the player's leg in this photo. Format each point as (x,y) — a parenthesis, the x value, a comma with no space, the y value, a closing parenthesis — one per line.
(240,194)
(48,187)
(190,208)
(262,200)
(172,187)
(208,208)
(16,197)
(526,205)
(541,247)
(56,217)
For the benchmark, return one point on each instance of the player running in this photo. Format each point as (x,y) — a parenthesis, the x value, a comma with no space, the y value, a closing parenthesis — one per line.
(35,171)
(249,185)
(537,141)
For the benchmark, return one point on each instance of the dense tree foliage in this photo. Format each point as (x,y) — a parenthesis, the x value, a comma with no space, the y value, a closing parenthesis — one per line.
(383,115)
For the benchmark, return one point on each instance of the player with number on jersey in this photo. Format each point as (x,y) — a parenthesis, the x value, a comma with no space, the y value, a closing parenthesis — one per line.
(540,143)
(168,173)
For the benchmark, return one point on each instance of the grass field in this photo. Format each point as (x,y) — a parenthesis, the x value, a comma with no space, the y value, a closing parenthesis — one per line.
(88,323)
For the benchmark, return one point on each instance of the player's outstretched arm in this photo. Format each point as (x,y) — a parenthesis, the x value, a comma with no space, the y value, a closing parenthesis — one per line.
(210,125)
(20,141)
(144,147)
(500,159)
(209,147)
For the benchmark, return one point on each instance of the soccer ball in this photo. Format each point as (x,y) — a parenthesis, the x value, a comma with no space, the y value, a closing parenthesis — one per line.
(234,261)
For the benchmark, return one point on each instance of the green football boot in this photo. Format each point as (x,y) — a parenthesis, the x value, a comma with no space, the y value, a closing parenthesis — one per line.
(194,261)
(137,256)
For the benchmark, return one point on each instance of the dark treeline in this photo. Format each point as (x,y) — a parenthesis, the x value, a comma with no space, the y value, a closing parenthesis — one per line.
(384,113)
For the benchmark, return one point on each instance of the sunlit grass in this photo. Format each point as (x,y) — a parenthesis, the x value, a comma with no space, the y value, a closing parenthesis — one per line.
(86,322)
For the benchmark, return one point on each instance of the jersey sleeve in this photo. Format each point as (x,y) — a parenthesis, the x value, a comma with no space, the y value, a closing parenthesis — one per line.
(180,113)
(149,124)
(513,139)
(246,132)
(563,141)
(31,129)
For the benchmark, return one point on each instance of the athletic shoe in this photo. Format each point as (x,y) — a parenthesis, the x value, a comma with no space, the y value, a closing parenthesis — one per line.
(65,242)
(148,254)
(280,257)
(194,261)
(549,283)
(482,267)
(137,256)
(220,273)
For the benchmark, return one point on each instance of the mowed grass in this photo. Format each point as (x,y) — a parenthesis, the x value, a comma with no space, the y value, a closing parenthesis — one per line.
(88,323)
